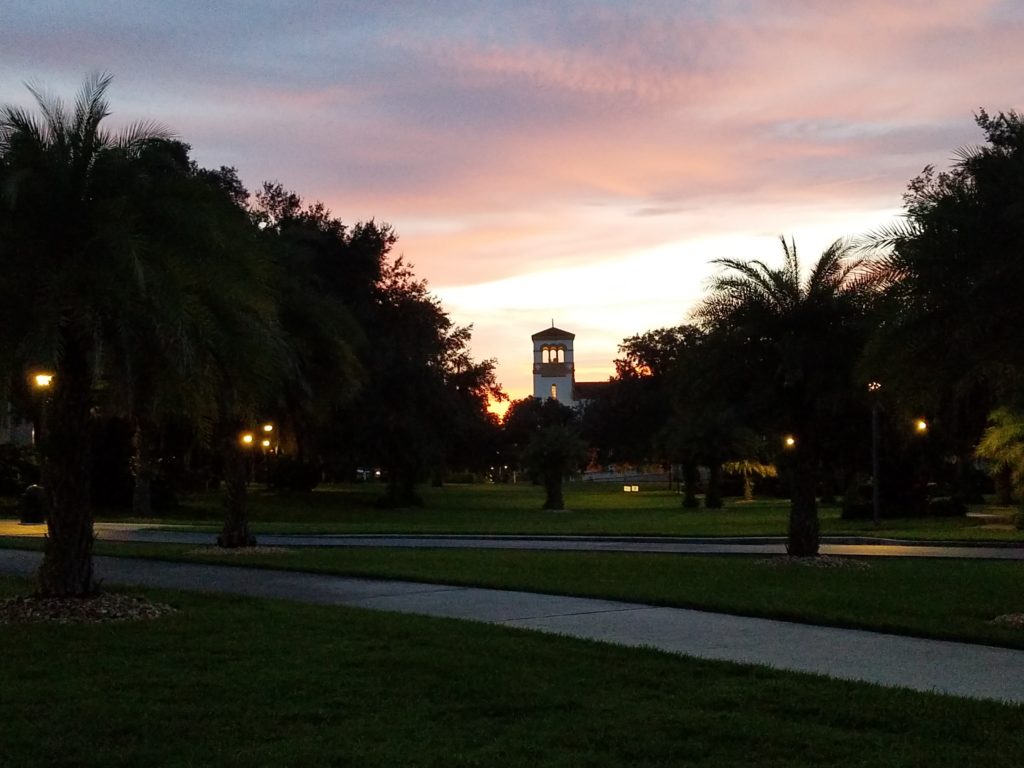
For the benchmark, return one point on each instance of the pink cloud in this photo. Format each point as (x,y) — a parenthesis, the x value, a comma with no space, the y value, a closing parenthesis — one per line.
(507,140)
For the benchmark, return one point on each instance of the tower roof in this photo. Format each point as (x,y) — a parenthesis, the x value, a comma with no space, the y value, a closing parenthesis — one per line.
(552,333)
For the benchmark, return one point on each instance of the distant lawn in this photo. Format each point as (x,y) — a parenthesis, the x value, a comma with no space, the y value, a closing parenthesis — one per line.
(950,599)
(595,509)
(241,682)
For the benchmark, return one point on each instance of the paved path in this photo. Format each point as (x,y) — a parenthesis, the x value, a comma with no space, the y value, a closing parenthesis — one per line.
(860,546)
(958,669)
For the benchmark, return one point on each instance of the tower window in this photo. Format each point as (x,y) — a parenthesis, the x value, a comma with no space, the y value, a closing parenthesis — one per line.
(553,354)
(554,391)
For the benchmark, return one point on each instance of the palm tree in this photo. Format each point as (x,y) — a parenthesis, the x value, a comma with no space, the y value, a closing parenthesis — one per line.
(552,453)
(130,276)
(72,267)
(801,337)
(748,469)
(211,330)
(1003,445)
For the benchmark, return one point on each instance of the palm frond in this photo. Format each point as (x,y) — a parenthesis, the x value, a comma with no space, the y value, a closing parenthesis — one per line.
(967,154)
(55,117)
(791,264)
(91,106)
(1003,442)
(136,134)
(888,237)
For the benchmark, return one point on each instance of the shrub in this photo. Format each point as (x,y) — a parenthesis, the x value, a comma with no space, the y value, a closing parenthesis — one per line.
(290,474)
(857,501)
(946,506)
(33,505)
(464,478)
(19,469)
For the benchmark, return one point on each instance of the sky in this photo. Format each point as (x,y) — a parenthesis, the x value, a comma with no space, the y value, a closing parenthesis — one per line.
(577,162)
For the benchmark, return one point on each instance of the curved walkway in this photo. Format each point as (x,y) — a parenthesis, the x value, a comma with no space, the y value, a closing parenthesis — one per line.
(958,669)
(859,546)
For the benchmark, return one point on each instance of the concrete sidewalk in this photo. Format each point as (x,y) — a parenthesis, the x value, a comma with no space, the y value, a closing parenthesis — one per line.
(857,546)
(958,669)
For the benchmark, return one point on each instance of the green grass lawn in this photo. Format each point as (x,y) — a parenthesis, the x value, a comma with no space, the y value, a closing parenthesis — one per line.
(241,682)
(951,599)
(594,508)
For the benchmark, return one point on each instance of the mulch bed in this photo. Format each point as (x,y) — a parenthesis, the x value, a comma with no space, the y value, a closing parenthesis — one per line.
(1011,620)
(821,561)
(107,606)
(234,551)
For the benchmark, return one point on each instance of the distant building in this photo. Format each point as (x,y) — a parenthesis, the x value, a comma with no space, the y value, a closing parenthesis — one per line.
(554,373)
(14,428)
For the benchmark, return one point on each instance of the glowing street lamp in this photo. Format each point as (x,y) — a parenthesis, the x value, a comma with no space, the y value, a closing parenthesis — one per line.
(920,426)
(247,438)
(42,380)
(789,441)
(265,443)
(268,428)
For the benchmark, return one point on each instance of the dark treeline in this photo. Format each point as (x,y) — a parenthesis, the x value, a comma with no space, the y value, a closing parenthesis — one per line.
(178,313)
(919,327)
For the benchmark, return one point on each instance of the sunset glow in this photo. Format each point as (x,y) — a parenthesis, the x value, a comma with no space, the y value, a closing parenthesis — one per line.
(579,162)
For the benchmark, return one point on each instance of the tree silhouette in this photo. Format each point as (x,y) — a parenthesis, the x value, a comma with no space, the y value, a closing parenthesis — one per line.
(802,337)
(72,270)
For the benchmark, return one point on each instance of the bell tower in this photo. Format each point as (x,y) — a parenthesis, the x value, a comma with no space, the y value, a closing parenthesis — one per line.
(553,369)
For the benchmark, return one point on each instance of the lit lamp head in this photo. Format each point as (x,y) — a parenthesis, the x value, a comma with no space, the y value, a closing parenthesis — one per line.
(247,438)
(920,426)
(265,443)
(268,428)
(874,386)
(42,380)
(789,441)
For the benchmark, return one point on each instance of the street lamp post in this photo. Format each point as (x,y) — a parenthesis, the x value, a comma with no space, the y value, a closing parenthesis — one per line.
(248,441)
(876,492)
(41,382)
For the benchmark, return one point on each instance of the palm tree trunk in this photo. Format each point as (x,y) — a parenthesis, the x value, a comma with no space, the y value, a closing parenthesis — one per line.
(1004,486)
(748,487)
(142,469)
(690,485)
(553,498)
(67,570)
(803,512)
(713,498)
(967,489)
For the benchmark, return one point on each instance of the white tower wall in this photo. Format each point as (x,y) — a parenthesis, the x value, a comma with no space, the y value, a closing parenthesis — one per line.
(553,368)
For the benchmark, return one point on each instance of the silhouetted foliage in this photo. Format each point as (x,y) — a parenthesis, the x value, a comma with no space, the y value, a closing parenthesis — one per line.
(952,342)
(542,436)
(801,339)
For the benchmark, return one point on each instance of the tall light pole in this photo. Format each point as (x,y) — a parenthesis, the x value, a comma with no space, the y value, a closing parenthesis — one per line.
(876,495)
(35,504)
(41,383)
